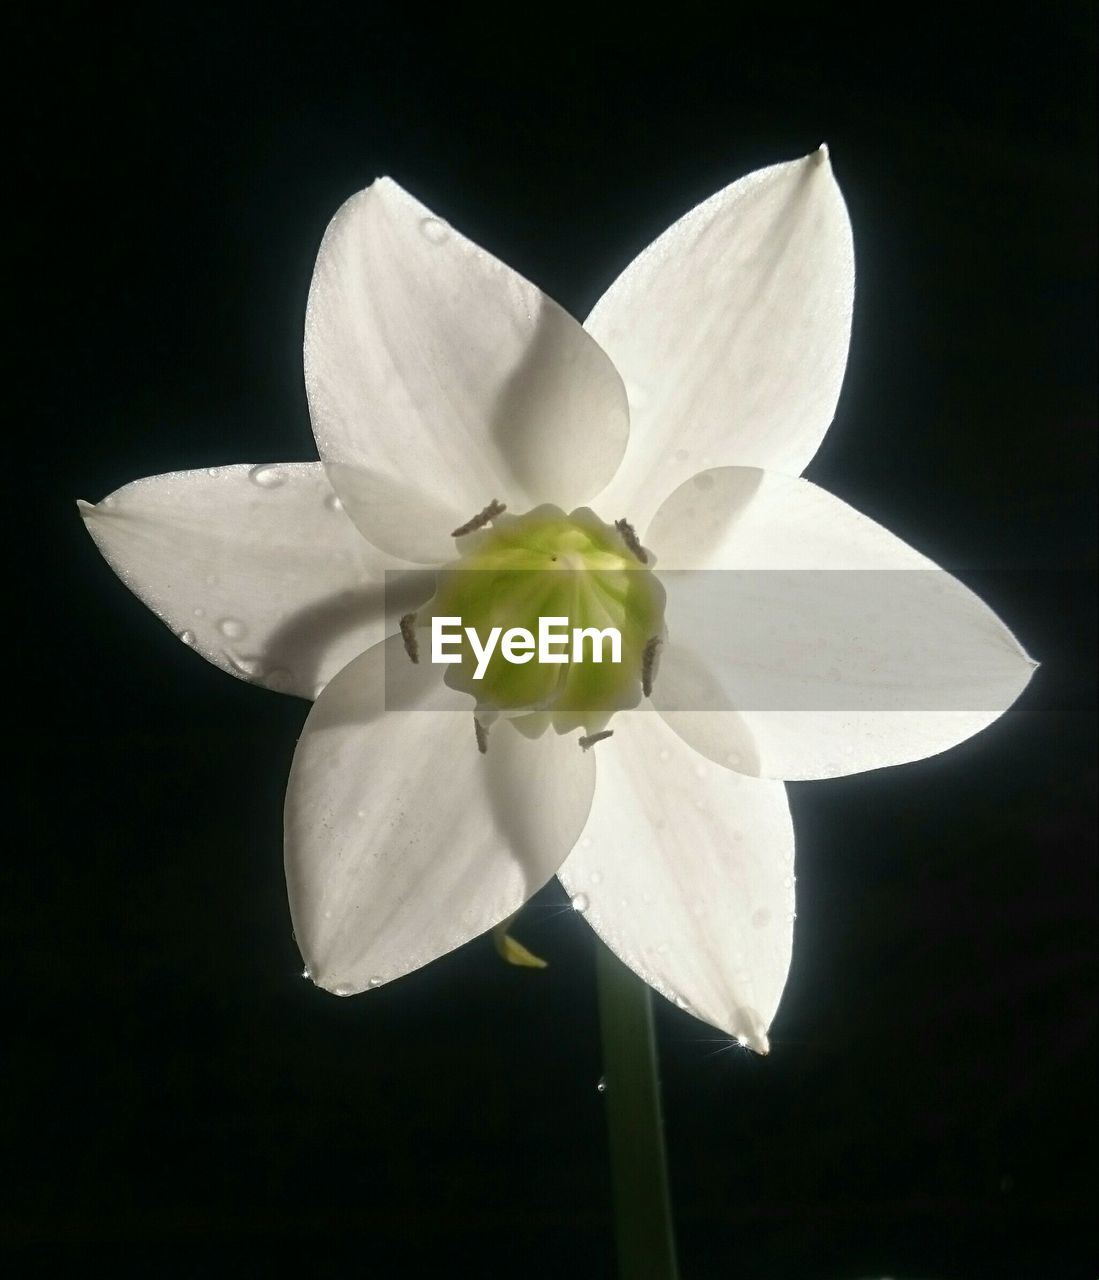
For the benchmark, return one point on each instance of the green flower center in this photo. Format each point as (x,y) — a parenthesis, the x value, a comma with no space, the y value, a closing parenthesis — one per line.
(591,579)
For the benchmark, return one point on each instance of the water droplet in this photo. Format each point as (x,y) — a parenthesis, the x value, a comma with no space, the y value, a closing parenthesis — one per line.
(579,902)
(343,989)
(761,918)
(680,1003)
(188,637)
(232,628)
(704,480)
(305,972)
(681,455)
(200,612)
(742,1041)
(601,1085)
(249,668)
(434,229)
(375,981)
(267,477)
(211,471)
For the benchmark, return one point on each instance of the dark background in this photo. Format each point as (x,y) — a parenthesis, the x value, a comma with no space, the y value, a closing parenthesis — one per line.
(176,1099)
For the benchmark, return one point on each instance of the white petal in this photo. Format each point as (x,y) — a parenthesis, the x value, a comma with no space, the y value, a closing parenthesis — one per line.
(402,841)
(686,871)
(440,379)
(256,568)
(731,333)
(819,643)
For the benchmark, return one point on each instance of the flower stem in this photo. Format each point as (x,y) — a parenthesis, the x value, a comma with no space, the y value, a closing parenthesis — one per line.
(642,1209)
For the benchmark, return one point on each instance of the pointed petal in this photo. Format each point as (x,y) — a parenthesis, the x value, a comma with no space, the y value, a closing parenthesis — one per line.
(818,644)
(402,841)
(256,568)
(440,379)
(687,872)
(731,333)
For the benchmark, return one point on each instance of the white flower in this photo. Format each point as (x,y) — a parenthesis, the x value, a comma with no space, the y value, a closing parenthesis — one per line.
(696,392)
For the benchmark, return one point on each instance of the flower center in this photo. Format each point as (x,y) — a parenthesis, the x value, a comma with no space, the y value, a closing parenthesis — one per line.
(565,613)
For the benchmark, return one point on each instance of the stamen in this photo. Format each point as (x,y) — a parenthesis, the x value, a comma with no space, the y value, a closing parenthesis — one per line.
(482,736)
(589,740)
(629,536)
(494,508)
(408,635)
(648,662)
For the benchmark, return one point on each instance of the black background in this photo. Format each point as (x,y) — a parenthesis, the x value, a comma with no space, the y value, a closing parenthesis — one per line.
(177,1099)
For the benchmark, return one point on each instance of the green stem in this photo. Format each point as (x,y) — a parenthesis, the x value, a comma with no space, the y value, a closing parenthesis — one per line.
(642,1209)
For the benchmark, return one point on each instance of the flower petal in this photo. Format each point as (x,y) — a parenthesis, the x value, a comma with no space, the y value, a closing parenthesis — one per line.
(818,644)
(402,841)
(256,568)
(439,379)
(731,332)
(685,870)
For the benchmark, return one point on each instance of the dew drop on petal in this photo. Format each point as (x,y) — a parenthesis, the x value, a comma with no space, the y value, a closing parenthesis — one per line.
(267,477)
(343,989)
(249,668)
(188,637)
(434,229)
(601,1085)
(374,982)
(200,612)
(333,503)
(579,902)
(305,973)
(211,471)
(232,628)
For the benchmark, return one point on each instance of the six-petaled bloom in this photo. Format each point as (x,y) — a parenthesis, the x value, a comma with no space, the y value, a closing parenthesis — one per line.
(575,464)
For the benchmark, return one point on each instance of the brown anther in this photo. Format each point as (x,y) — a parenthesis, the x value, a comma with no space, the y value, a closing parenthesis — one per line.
(629,536)
(408,635)
(482,518)
(648,663)
(482,736)
(589,740)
